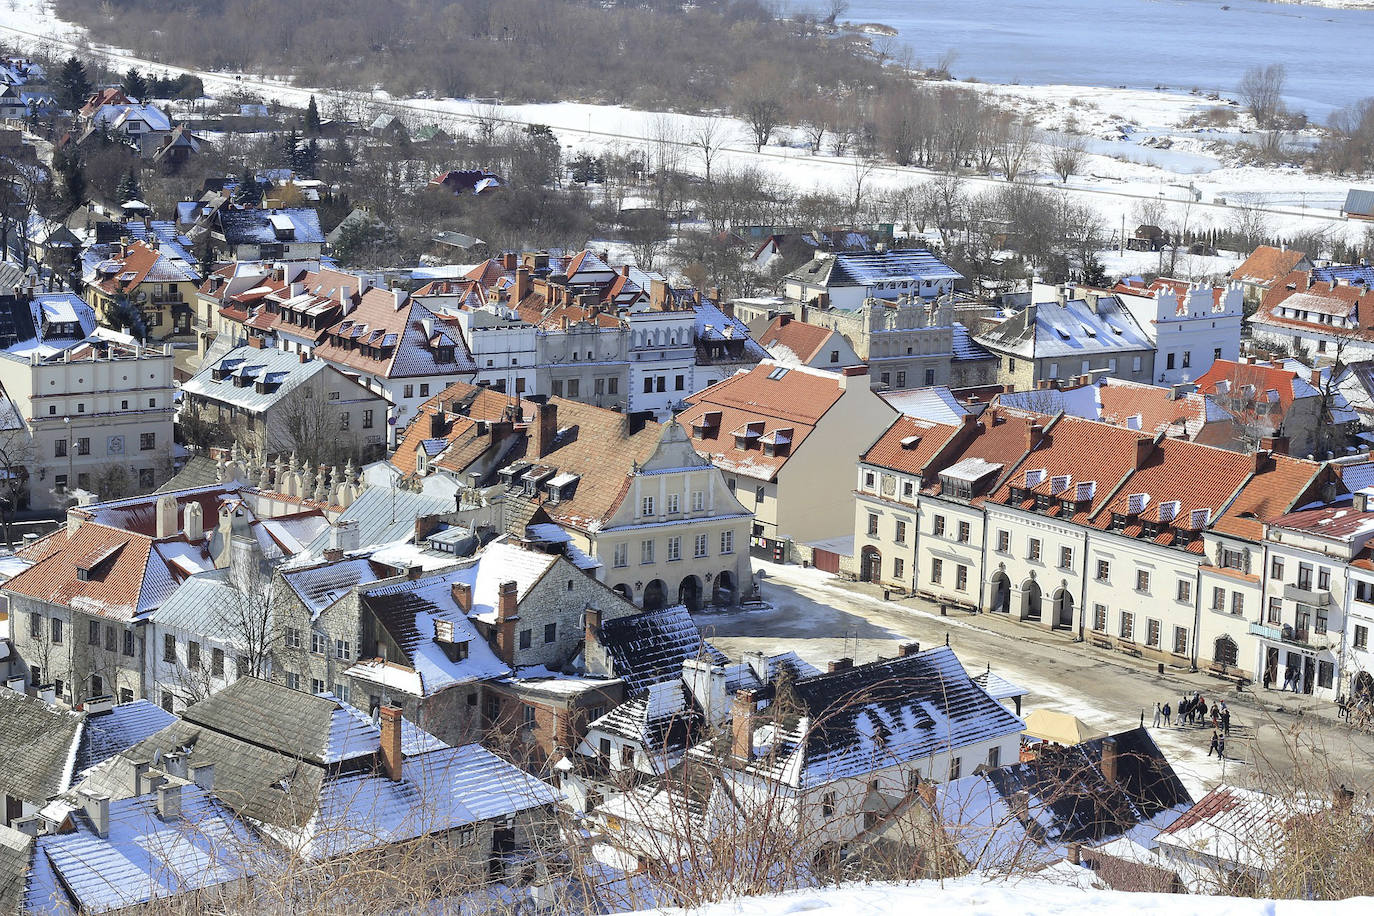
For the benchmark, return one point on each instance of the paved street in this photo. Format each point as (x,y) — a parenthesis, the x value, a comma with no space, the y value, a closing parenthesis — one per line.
(1273,734)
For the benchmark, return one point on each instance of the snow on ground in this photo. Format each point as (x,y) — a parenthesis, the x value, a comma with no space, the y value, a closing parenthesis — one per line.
(980,896)
(1124,169)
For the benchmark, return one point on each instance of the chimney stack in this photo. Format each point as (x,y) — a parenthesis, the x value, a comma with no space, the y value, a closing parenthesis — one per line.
(909,649)
(462,596)
(98,810)
(544,430)
(742,725)
(194,521)
(591,625)
(840,664)
(506,618)
(1033,433)
(169,801)
(391,741)
(166,509)
(1144,447)
(1076,853)
(1109,760)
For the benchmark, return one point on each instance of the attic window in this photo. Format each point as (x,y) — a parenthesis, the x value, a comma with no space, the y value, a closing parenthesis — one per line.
(1035,478)
(1199,518)
(910,442)
(1136,503)
(1085,490)
(1168,510)
(1059,483)
(777,373)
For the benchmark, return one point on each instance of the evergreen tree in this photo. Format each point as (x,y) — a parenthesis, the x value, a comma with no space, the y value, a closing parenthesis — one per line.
(312,119)
(307,159)
(290,149)
(67,165)
(134,85)
(73,86)
(128,188)
(248,192)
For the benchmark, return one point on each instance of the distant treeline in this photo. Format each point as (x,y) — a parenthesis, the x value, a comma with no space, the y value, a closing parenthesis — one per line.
(649,53)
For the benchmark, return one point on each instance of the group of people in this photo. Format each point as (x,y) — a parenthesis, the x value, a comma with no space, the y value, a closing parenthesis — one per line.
(1194,711)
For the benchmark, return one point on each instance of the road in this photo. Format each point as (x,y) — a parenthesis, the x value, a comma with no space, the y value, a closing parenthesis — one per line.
(1275,735)
(803,169)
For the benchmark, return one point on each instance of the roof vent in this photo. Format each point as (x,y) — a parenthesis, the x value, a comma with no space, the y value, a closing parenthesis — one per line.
(1199,518)
(1035,478)
(1167,510)
(1136,503)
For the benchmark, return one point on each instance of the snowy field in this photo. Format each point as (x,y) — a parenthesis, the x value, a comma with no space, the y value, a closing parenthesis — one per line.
(978,896)
(1126,167)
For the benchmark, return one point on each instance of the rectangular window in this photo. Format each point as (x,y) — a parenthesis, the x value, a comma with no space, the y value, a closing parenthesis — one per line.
(527,716)
(939,526)
(622,555)
(937,570)
(961,578)
(59,448)
(35,625)
(1180,641)
(292,638)
(526,638)
(1185,590)
(316,685)
(1319,624)
(646,506)
(674,548)
(574,386)
(424,389)
(898,568)
(699,546)
(1235,559)
(1276,569)
(1100,618)
(83,446)
(93,634)
(1066,558)
(345,419)
(217,662)
(147,441)
(1324,578)
(1275,613)
(965,532)
(1104,570)
(57,631)
(1305,576)
(872,525)
(343,650)
(901,533)
(758,495)
(319,643)
(550,632)
(646,552)
(727,542)
(367,419)
(1004,542)
(1237,604)
(674,504)
(111,640)
(1361,636)
(698,500)
(1127,626)
(193,655)
(1152,629)
(1326,672)
(956,767)
(169,647)
(901,379)
(1218,599)
(1142,580)
(129,643)
(408,391)
(1034,552)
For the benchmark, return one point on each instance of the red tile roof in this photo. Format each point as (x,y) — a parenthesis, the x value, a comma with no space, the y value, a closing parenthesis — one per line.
(773,399)
(1267,265)
(1227,379)
(1317,299)
(909,445)
(802,339)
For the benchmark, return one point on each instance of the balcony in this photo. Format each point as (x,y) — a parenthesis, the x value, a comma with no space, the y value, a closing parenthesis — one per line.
(1316,598)
(1302,637)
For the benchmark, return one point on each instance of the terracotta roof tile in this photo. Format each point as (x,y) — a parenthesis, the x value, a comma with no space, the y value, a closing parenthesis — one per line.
(1266,265)
(909,445)
(801,340)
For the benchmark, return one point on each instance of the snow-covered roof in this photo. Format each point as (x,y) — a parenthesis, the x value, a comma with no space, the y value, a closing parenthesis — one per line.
(936,404)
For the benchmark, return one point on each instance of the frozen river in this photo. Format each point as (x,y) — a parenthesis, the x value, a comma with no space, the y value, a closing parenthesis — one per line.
(1140,44)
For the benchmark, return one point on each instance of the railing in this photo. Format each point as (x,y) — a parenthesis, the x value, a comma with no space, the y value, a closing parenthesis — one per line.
(1317,597)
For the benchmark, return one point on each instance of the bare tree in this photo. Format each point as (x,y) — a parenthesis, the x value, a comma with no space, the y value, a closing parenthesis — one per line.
(760,103)
(1066,153)
(17,454)
(708,136)
(862,170)
(307,424)
(1261,92)
(1015,138)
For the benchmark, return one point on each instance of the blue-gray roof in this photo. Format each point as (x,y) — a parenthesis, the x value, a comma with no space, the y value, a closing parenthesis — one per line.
(1348,273)
(1359,202)
(866,268)
(107,733)
(965,347)
(261,227)
(386,516)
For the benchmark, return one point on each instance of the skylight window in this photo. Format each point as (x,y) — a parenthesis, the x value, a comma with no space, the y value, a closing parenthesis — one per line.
(777,373)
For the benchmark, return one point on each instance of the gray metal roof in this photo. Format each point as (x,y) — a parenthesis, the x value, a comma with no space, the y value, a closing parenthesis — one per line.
(255,380)
(1359,202)
(385,516)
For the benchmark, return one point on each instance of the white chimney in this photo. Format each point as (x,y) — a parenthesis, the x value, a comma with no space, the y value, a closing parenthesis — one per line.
(98,810)
(169,802)
(400,296)
(194,521)
(706,683)
(345,535)
(166,516)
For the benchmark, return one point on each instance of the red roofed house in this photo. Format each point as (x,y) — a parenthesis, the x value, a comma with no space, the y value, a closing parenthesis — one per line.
(795,343)
(1266,267)
(1324,319)
(785,439)
(1267,401)
(154,283)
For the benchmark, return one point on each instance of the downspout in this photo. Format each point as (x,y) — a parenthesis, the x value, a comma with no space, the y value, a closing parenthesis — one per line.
(1083,587)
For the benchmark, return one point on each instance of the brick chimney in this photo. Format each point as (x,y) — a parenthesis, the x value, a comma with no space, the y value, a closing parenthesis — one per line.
(742,725)
(1109,760)
(1144,447)
(1277,445)
(1033,433)
(849,373)
(591,625)
(1262,461)
(840,664)
(544,429)
(909,649)
(462,596)
(391,741)
(522,285)
(506,618)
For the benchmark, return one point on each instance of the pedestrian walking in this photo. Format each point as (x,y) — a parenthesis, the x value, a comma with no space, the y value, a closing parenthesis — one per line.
(1221,747)
(1269,678)
(1167,711)
(1216,716)
(1216,745)
(1159,713)
(1226,723)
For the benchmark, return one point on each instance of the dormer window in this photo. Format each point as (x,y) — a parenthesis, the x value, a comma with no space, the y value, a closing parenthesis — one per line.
(1034,478)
